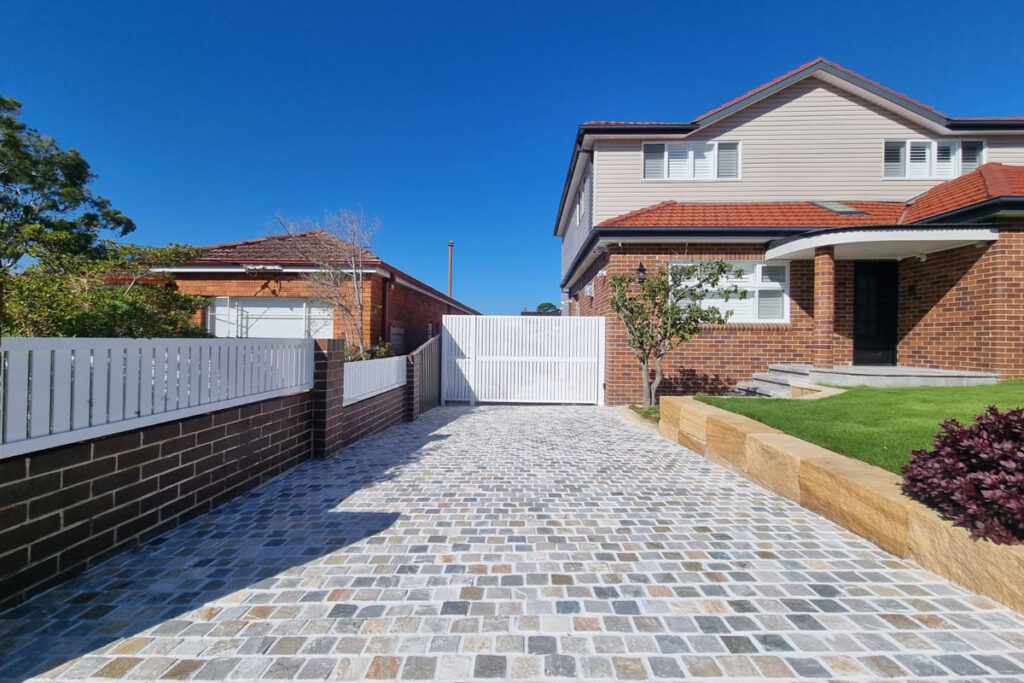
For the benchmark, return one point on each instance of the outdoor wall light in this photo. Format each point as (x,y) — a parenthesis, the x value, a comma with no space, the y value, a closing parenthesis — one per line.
(641,273)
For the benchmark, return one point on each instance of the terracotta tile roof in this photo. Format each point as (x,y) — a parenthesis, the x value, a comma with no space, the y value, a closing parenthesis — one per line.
(760,214)
(988,182)
(293,249)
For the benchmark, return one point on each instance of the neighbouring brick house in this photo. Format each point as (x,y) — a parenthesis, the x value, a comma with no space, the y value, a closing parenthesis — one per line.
(259,289)
(873,230)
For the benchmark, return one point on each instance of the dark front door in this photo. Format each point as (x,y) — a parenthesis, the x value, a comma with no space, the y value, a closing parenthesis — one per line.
(875,292)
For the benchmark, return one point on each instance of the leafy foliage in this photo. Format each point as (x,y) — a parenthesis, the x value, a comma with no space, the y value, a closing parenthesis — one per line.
(380,350)
(546,307)
(975,475)
(664,309)
(113,296)
(46,207)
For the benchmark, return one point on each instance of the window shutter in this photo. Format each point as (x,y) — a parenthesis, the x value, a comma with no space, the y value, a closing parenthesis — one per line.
(970,155)
(895,159)
(945,159)
(728,160)
(703,161)
(769,305)
(919,159)
(678,161)
(654,162)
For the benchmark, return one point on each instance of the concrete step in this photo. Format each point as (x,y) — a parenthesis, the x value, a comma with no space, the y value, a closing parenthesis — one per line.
(762,389)
(776,378)
(794,370)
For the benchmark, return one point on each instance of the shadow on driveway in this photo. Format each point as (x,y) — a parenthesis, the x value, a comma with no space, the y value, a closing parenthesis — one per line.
(256,541)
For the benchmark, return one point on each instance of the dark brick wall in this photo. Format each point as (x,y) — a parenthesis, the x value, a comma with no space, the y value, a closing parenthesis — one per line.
(63,509)
(328,394)
(374,414)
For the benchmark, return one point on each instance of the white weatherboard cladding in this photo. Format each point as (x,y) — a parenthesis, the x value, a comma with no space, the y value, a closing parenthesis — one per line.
(522,359)
(58,391)
(809,142)
(576,233)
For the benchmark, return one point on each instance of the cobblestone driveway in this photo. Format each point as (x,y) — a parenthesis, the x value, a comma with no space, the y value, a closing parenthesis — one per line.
(510,542)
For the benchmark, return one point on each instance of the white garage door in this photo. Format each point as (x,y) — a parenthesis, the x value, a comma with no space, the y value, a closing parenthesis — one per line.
(269,317)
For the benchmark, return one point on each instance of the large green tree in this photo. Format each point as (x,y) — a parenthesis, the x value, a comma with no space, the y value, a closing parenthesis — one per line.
(663,309)
(116,295)
(46,206)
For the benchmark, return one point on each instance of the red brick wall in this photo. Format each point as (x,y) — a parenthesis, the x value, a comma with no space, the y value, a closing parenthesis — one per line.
(420,314)
(963,309)
(63,509)
(721,355)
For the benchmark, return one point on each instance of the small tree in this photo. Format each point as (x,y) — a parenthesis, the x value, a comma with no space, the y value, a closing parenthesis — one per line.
(660,310)
(339,247)
(546,307)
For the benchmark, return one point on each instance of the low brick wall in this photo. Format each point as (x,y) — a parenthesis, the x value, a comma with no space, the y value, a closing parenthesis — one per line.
(863,498)
(373,415)
(63,509)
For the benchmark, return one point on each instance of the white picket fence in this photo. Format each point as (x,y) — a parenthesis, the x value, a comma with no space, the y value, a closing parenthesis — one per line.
(366,378)
(56,391)
(522,359)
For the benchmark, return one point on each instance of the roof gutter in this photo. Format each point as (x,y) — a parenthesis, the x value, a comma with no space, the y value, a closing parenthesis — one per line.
(601,235)
(985,209)
(985,124)
(610,129)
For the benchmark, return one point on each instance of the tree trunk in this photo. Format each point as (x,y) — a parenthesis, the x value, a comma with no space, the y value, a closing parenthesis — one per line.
(657,380)
(647,384)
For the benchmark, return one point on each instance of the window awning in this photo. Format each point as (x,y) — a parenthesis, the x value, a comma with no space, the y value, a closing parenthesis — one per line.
(880,243)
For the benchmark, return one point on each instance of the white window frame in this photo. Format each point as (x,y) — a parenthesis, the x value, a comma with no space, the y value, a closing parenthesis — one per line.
(688,144)
(753,288)
(932,157)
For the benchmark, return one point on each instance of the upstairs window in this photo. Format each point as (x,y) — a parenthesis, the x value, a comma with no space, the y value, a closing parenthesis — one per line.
(767,286)
(931,159)
(691,161)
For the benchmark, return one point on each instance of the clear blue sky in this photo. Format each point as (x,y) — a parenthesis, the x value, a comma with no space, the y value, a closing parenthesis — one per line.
(447,120)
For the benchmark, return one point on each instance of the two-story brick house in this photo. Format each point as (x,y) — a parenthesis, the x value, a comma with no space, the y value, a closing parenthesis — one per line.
(872,229)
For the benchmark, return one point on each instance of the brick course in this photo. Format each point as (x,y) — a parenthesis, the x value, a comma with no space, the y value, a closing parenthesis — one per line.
(66,508)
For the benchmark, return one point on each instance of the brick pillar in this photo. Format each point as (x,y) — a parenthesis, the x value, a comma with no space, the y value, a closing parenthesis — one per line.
(412,386)
(824,305)
(328,394)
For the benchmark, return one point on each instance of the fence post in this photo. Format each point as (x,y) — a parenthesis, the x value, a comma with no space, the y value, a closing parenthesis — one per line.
(412,385)
(328,396)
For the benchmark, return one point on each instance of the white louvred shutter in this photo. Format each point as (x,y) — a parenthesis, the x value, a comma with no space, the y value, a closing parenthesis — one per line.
(678,160)
(895,159)
(728,160)
(703,160)
(945,159)
(970,155)
(654,162)
(919,159)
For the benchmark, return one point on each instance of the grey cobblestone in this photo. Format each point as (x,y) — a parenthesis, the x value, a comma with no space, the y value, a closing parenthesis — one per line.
(522,543)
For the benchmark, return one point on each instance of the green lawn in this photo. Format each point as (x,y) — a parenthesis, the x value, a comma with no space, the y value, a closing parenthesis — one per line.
(879,426)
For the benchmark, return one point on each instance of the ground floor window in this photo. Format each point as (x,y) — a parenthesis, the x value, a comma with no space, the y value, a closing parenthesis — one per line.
(269,317)
(767,286)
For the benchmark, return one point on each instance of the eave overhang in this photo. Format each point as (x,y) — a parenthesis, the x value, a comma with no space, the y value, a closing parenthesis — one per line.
(893,242)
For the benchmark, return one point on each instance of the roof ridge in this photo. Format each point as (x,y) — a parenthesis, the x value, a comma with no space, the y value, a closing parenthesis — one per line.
(259,239)
(994,177)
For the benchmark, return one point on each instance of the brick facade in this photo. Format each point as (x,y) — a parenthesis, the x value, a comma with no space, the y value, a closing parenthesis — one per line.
(960,309)
(385,302)
(64,509)
(721,355)
(963,309)
(824,305)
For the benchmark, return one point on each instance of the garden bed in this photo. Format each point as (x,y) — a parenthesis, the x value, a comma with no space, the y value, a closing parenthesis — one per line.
(863,498)
(878,426)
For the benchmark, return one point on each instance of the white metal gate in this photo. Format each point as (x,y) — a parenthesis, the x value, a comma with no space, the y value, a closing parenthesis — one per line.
(522,359)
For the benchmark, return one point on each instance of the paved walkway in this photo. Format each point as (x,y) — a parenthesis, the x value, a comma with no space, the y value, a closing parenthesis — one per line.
(518,543)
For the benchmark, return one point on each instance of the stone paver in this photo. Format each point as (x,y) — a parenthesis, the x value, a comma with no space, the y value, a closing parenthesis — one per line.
(512,542)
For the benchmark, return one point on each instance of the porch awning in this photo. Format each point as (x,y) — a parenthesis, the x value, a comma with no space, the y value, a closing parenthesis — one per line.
(880,243)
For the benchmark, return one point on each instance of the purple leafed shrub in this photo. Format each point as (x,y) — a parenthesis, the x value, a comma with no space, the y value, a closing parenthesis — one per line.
(975,475)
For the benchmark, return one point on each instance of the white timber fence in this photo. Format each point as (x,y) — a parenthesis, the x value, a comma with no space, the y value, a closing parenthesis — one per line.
(522,359)
(56,391)
(366,378)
